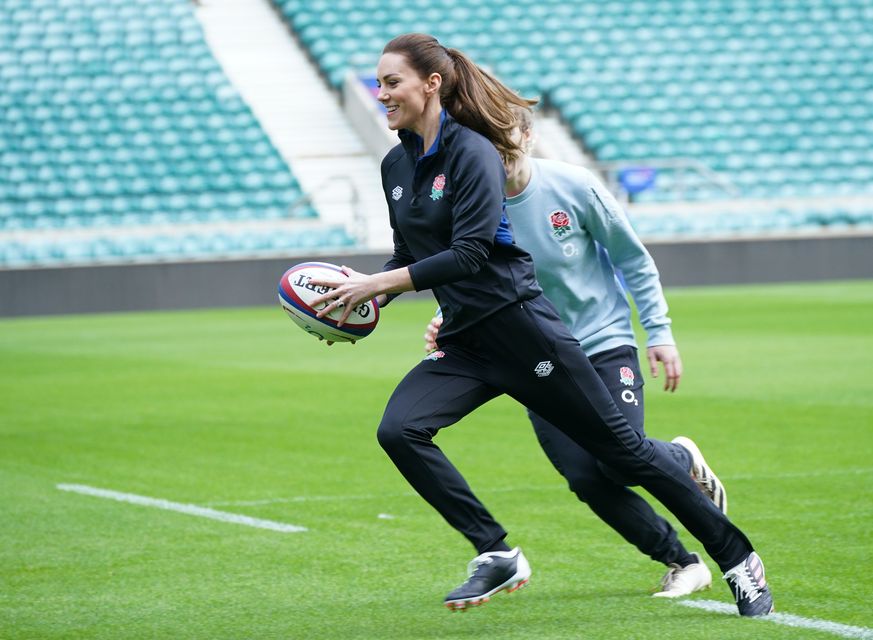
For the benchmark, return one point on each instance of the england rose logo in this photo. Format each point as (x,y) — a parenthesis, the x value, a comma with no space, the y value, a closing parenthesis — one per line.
(439,183)
(626,376)
(560,223)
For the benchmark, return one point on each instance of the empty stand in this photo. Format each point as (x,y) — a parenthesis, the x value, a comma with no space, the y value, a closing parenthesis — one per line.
(117,118)
(122,139)
(775,97)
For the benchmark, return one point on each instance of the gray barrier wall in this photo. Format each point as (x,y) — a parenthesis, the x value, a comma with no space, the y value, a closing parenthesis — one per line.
(253,282)
(765,260)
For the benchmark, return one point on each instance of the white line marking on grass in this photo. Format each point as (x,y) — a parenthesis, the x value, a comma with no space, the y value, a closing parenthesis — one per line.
(190,509)
(786,619)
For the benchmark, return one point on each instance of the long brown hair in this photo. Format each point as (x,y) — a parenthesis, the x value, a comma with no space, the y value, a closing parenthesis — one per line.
(470,94)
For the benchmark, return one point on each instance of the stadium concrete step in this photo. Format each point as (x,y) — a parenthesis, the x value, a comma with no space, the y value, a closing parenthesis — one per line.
(300,113)
(553,139)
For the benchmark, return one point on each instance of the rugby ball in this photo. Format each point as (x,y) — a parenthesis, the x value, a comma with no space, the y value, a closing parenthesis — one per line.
(296,293)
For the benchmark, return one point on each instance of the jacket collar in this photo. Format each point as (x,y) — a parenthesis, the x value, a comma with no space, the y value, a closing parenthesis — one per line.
(413,143)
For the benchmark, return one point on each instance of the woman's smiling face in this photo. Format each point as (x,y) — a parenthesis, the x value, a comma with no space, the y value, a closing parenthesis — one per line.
(403,93)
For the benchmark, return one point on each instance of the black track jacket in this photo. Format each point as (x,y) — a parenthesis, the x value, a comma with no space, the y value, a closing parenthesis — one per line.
(447,213)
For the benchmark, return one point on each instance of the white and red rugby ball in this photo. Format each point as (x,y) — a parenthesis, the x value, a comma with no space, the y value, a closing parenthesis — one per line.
(296,292)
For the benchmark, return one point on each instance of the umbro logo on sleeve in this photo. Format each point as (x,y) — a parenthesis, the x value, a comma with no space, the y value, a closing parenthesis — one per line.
(544,368)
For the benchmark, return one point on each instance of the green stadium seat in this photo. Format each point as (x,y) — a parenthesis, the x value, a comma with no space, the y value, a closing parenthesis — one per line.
(117,114)
(701,70)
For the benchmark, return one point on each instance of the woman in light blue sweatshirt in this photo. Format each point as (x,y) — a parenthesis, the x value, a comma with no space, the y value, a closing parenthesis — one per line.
(580,238)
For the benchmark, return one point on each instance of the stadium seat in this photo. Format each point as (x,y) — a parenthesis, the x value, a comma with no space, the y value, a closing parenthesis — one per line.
(116,114)
(720,82)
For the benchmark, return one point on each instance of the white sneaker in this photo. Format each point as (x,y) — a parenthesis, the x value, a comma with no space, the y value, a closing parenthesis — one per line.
(703,475)
(680,581)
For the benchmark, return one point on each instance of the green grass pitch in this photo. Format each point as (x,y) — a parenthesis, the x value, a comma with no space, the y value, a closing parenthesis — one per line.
(240,411)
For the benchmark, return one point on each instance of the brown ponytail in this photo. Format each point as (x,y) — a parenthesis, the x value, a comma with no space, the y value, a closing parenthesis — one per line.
(470,94)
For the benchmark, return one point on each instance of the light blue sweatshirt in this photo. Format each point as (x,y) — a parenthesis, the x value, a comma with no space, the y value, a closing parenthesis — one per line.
(563,218)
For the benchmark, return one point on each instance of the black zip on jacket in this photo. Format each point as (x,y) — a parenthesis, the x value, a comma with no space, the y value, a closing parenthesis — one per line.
(447,212)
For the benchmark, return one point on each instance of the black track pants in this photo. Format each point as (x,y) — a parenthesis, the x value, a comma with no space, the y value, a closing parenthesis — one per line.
(525,351)
(600,486)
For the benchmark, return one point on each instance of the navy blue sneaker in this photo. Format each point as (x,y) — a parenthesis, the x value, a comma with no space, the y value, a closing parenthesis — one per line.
(749,587)
(489,573)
